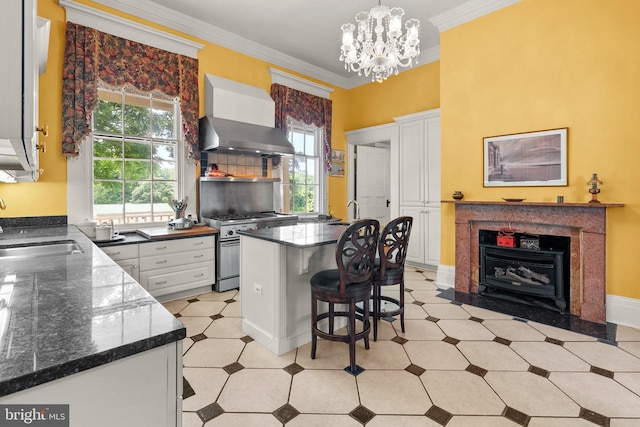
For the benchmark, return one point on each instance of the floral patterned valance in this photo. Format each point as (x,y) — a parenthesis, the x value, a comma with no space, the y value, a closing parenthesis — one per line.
(91,55)
(306,108)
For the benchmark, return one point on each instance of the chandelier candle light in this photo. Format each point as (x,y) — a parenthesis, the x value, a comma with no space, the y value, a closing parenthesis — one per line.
(378,57)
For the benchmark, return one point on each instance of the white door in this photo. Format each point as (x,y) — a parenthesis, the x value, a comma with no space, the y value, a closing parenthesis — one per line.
(372,183)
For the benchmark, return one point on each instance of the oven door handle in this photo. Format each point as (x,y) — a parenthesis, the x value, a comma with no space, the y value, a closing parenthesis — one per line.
(227,243)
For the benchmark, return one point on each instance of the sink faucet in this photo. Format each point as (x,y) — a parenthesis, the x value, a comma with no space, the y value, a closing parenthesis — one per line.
(357,208)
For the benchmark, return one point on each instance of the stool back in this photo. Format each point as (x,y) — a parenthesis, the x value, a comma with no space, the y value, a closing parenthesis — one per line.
(356,253)
(394,242)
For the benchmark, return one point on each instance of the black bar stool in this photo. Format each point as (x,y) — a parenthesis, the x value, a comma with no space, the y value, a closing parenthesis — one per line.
(349,284)
(392,252)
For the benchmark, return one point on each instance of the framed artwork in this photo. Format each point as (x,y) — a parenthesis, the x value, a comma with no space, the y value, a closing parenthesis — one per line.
(526,159)
(337,156)
(337,169)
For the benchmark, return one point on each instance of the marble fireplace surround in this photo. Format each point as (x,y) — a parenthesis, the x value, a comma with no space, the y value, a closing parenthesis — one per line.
(583,223)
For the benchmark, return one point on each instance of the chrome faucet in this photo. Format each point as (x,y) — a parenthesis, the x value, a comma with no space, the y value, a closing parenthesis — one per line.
(357,208)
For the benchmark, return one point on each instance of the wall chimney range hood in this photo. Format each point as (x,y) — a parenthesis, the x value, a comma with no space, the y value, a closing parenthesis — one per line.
(240,118)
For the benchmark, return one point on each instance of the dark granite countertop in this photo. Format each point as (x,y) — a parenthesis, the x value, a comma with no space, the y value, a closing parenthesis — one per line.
(64,314)
(302,235)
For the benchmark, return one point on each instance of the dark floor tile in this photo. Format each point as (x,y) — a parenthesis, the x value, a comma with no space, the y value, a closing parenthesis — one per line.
(177,315)
(293,369)
(216,316)
(415,370)
(439,415)
(539,371)
(399,340)
(192,300)
(408,290)
(432,319)
(477,370)
(209,412)
(229,301)
(501,340)
(601,371)
(285,413)
(516,416)
(246,339)
(359,369)
(362,414)
(420,303)
(554,341)
(450,340)
(476,319)
(233,368)
(187,390)
(594,417)
(198,337)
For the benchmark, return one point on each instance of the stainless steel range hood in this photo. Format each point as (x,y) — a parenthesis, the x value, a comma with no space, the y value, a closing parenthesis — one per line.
(223,134)
(241,118)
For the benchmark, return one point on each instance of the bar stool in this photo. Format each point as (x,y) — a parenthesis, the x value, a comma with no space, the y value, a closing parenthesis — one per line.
(349,284)
(392,252)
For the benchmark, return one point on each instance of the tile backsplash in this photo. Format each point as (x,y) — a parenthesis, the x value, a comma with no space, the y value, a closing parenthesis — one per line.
(243,164)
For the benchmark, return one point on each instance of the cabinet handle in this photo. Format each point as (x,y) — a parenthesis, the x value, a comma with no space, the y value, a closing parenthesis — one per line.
(115,253)
(161,248)
(161,283)
(199,275)
(161,262)
(134,266)
(198,256)
(44,129)
(198,243)
(42,147)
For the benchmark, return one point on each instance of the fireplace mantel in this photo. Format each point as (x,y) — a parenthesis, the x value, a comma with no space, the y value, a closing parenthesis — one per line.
(583,223)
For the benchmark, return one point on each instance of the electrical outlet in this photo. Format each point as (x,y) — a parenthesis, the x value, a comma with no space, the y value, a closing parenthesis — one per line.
(257,288)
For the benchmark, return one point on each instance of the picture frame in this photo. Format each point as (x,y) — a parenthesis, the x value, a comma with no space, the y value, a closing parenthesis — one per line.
(337,156)
(526,159)
(337,169)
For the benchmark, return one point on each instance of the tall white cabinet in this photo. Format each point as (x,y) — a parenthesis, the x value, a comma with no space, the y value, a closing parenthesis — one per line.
(419,183)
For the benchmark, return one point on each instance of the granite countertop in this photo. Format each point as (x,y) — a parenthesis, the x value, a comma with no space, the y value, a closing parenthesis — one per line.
(64,314)
(302,235)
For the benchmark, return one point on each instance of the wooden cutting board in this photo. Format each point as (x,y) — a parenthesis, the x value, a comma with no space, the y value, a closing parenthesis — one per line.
(168,233)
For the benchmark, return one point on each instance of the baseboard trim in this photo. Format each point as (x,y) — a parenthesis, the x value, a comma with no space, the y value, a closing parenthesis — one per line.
(445,276)
(623,311)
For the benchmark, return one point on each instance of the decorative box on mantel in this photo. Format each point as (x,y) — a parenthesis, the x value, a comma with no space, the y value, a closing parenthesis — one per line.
(583,223)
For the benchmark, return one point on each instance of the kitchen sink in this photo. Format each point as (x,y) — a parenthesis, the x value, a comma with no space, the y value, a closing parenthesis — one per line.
(40,249)
(339,223)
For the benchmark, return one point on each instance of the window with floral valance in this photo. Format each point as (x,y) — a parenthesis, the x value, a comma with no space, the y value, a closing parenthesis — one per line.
(306,108)
(93,57)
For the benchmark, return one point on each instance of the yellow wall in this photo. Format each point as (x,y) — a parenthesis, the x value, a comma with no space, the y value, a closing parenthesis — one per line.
(545,64)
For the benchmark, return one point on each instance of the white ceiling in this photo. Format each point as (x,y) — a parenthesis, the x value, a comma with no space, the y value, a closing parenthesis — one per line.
(301,35)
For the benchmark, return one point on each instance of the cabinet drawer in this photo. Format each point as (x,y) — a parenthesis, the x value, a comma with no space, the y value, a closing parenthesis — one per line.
(197,275)
(180,245)
(176,259)
(121,251)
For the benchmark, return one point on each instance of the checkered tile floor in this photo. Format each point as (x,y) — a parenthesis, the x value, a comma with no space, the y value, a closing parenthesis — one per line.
(456,365)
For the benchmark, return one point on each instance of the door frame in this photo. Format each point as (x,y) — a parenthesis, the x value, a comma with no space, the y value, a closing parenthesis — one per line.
(371,135)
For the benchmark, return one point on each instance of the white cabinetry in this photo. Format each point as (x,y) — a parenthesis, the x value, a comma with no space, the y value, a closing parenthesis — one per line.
(172,266)
(126,256)
(419,177)
(24,42)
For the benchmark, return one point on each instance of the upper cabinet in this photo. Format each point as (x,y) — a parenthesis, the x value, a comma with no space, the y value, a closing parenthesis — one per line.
(24,40)
(420,158)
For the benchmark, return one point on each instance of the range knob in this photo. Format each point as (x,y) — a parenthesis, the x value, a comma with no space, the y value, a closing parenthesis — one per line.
(230,233)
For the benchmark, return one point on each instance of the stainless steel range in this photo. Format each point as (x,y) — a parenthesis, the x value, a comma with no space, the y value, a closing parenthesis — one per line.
(234,204)
(228,253)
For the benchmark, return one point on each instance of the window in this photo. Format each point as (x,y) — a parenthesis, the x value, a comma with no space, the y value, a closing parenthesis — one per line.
(303,177)
(135,151)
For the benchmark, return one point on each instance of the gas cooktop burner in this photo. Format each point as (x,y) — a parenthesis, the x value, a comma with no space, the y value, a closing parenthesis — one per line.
(244,216)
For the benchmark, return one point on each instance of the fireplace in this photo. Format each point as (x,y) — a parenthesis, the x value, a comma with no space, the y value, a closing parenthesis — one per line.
(531,274)
(582,223)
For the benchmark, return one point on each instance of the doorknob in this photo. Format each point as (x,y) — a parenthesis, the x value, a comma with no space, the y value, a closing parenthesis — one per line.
(388,202)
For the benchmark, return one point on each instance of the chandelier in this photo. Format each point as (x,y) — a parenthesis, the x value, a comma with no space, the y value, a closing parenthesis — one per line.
(376,56)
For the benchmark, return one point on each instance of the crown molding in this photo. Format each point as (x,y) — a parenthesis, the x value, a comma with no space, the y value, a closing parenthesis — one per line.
(153,12)
(108,23)
(467,12)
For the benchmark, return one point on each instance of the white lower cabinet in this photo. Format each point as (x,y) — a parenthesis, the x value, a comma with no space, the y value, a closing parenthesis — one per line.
(171,266)
(168,266)
(424,242)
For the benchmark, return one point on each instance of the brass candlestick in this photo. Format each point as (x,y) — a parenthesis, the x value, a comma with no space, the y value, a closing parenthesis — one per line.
(594,190)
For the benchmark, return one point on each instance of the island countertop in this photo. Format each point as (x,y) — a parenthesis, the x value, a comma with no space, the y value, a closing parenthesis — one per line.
(63,314)
(303,235)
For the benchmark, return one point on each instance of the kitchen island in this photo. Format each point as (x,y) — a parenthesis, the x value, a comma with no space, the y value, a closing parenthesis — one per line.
(275,267)
(76,329)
